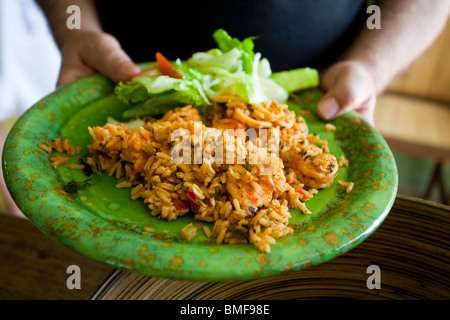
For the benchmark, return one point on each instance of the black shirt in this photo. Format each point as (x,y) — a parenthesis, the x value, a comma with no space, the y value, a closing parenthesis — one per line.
(290,33)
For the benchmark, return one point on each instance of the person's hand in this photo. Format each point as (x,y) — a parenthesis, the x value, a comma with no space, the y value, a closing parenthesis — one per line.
(84,53)
(348,86)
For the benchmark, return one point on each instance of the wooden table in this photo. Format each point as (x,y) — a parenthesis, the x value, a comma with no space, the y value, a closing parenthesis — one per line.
(411,249)
(33,266)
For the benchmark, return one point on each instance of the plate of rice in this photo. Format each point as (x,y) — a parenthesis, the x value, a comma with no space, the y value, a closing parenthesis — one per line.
(226,189)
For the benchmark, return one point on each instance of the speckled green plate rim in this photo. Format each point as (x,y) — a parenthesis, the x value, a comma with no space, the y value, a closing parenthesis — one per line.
(104,224)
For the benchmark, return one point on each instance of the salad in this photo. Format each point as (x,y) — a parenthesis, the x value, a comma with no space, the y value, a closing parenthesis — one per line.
(233,68)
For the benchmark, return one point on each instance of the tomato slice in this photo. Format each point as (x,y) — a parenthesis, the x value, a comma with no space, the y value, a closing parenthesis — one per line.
(166,67)
(193,201)
(180,204)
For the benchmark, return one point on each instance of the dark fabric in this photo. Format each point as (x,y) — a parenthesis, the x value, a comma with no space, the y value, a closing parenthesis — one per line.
(291,33)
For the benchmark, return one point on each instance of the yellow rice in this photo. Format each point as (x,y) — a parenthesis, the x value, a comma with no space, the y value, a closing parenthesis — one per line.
(243,204)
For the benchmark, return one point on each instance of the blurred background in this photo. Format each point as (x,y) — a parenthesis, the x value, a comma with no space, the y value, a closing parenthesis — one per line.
(413,115)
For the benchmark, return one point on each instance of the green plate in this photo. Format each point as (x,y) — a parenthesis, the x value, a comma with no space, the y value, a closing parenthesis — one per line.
(104,224)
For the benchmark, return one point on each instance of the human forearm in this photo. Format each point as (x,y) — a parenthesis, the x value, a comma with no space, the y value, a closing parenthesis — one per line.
(408,28)
(56,13)
(88,49)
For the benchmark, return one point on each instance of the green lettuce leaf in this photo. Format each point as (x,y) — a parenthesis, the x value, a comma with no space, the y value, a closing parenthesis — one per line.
(141,88)
(226,43)
(297,79)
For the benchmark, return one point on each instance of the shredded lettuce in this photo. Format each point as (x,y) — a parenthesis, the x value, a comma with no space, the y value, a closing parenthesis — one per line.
(220,64)
(140,89)
(157,95)
(231,68)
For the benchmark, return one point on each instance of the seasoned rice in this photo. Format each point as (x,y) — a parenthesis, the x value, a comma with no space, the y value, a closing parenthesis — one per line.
(348,185)
(57,161)
(62,146)
(74,166)
(243,203)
